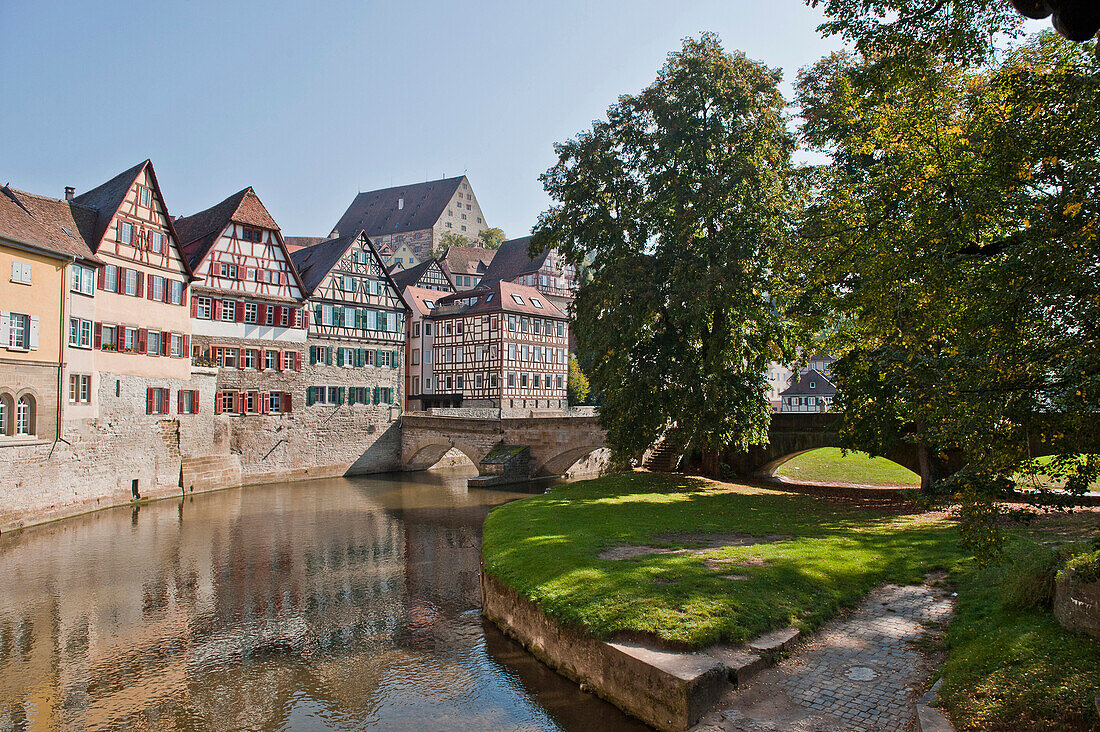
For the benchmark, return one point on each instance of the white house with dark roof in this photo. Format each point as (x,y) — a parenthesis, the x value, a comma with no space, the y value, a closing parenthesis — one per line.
(810,391)
(407,223)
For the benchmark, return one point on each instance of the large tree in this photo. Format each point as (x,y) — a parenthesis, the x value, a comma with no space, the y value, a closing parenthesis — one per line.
(678,203)
(957,233)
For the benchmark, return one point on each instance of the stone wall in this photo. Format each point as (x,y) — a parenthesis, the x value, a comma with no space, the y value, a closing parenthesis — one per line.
(1077,604)
(98,459)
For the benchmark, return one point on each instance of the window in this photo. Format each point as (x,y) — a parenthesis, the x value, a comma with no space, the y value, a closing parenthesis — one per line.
(176,346)
(252,402)
(523,380)
(131,339)
(20,331)
(333,395)
(80,388)
(561,328)
(143,196)
(188,401)
(248,234)
(80,279)
(21,272)
(535,383)
(109,338)
(153,343)
(251,311)
(229,402)
(132,276)
(226,357)
(427,328)
(537,303)
(512,351)
(383,359)
(24,415)
(202,308)
(536,325)
(227,270)
(156,400)
(559,381)
(5,415)
(80,333)
(251,359)
(271,360)
(125,232)
(229,310)
(416,385)
(511,379)
(158,288)
(275,402)
(526,353)
(416,330)
(511,322)
(269,315)
(156,242)
(416,356)
(477,381)
(284,317)
(459,382)
(110,278)
(525,324)
(347,284)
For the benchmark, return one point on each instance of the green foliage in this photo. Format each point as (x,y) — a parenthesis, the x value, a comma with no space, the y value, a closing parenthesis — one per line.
(1014,669)
(956,230)
(491,238)
(448,240)
(1026,580)
(678,204)
(547,548)
(1086,566)
(578,382)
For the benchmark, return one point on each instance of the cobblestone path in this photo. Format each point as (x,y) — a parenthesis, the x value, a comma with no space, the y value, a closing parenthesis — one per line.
(860,672)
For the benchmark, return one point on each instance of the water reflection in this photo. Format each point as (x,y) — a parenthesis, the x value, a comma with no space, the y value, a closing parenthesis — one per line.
(344,604)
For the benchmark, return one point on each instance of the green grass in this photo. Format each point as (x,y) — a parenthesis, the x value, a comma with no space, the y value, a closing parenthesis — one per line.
(1015,669)
(546,547)
(830,465)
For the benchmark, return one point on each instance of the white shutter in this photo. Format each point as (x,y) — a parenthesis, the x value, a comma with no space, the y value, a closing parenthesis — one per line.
(34,333)
(16,272)
(5,328)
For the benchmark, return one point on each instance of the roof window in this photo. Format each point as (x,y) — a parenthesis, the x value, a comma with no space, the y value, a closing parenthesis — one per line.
(517,298)
(536,303)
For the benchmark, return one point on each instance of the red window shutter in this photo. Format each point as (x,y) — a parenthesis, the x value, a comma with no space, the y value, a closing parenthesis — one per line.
(217,310)
(285,402)
(149,400)
(186,348)
(217,402)
(278,319)
(298,361)
(149,287)
(194,306)
(179,401)
(242,402)
(239,312)
(99,335)
(305,318)
(282,278)
(264,402)
(240,358)
(165,338)
(195,402)
(102,277)
(141,285)
(261,314)
(143,340)
(120,283)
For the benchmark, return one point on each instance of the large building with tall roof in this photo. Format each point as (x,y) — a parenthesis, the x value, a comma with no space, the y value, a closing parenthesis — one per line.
(407,223)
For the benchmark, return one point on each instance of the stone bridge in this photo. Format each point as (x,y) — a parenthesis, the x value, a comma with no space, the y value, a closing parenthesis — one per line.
(504,449)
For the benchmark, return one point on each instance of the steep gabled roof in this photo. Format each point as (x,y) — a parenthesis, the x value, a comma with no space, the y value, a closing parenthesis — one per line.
(198,232)
(497,296)
(512,261)
(315,262)
(301,242)
(49,224)
(107,198)
(377,212)
(409,277)
(800,385)
(415,297)
(467,260)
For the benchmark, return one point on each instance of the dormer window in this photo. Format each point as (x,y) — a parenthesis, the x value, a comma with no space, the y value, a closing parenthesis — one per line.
(813,385)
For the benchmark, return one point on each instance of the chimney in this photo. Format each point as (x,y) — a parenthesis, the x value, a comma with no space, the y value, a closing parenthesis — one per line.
(400,203)
(70,191)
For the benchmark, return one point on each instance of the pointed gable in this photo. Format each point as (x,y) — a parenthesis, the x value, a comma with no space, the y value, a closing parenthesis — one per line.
(428,274)
(108,197)
(399,209)
(317,263)
(219,229)
(512,260)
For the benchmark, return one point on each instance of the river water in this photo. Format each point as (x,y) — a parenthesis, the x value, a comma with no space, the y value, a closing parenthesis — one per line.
(331,604)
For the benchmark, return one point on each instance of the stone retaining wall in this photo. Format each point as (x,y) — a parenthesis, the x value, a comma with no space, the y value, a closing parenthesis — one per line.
(1077,604)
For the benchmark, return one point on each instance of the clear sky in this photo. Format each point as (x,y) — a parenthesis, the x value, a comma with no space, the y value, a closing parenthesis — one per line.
(311,102)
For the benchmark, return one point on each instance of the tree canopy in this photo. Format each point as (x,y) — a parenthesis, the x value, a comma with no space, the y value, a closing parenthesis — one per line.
(678,203)
(952,247)
(491,238)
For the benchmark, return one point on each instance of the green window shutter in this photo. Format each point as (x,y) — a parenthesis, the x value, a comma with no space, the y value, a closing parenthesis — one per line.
(396,359)
(393,396)
(317,314)
(376,395)
(339,356)
(338,315)
(328,356)
(351,396)
(309,397)
(360,357)
(312,355)
(340,395)
(378,358)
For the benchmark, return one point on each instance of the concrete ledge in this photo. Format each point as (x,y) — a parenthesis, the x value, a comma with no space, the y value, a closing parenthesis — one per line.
(667,690)
(930,719)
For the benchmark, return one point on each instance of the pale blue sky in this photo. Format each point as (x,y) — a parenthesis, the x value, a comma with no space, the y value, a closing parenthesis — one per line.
(311,102)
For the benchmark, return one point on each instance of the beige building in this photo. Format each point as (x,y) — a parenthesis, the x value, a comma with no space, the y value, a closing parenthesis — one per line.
(406,223)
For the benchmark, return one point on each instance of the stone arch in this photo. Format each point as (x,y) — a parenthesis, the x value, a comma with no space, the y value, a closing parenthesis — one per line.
(7,414)
(426,454)
(560,463)
(767,470)
(26,407)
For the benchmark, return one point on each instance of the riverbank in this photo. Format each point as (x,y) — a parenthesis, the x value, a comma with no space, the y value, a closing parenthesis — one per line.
(682,563)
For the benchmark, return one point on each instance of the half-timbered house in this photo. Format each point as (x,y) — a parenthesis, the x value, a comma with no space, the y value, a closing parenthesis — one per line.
(428,275)
(547,272)
(421,286)
(501,345)
(246,305)
(356,329)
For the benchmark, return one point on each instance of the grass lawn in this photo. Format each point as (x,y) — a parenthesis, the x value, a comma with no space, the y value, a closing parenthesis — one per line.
(830,465)
(1015,669)
(830,554)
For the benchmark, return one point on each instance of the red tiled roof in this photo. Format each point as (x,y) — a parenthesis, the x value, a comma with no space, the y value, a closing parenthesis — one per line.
(498,296)
(416,296)
(50,224)
(198,232)
(467,260)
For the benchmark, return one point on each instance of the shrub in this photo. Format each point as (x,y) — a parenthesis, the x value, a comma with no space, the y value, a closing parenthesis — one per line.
(1026,579)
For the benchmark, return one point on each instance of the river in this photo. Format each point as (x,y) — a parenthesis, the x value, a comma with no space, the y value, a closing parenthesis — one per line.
(328,604)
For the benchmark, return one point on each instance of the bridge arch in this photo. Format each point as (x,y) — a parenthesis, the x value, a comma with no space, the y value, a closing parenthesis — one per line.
(425,454)
(773,463)
(559,464)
